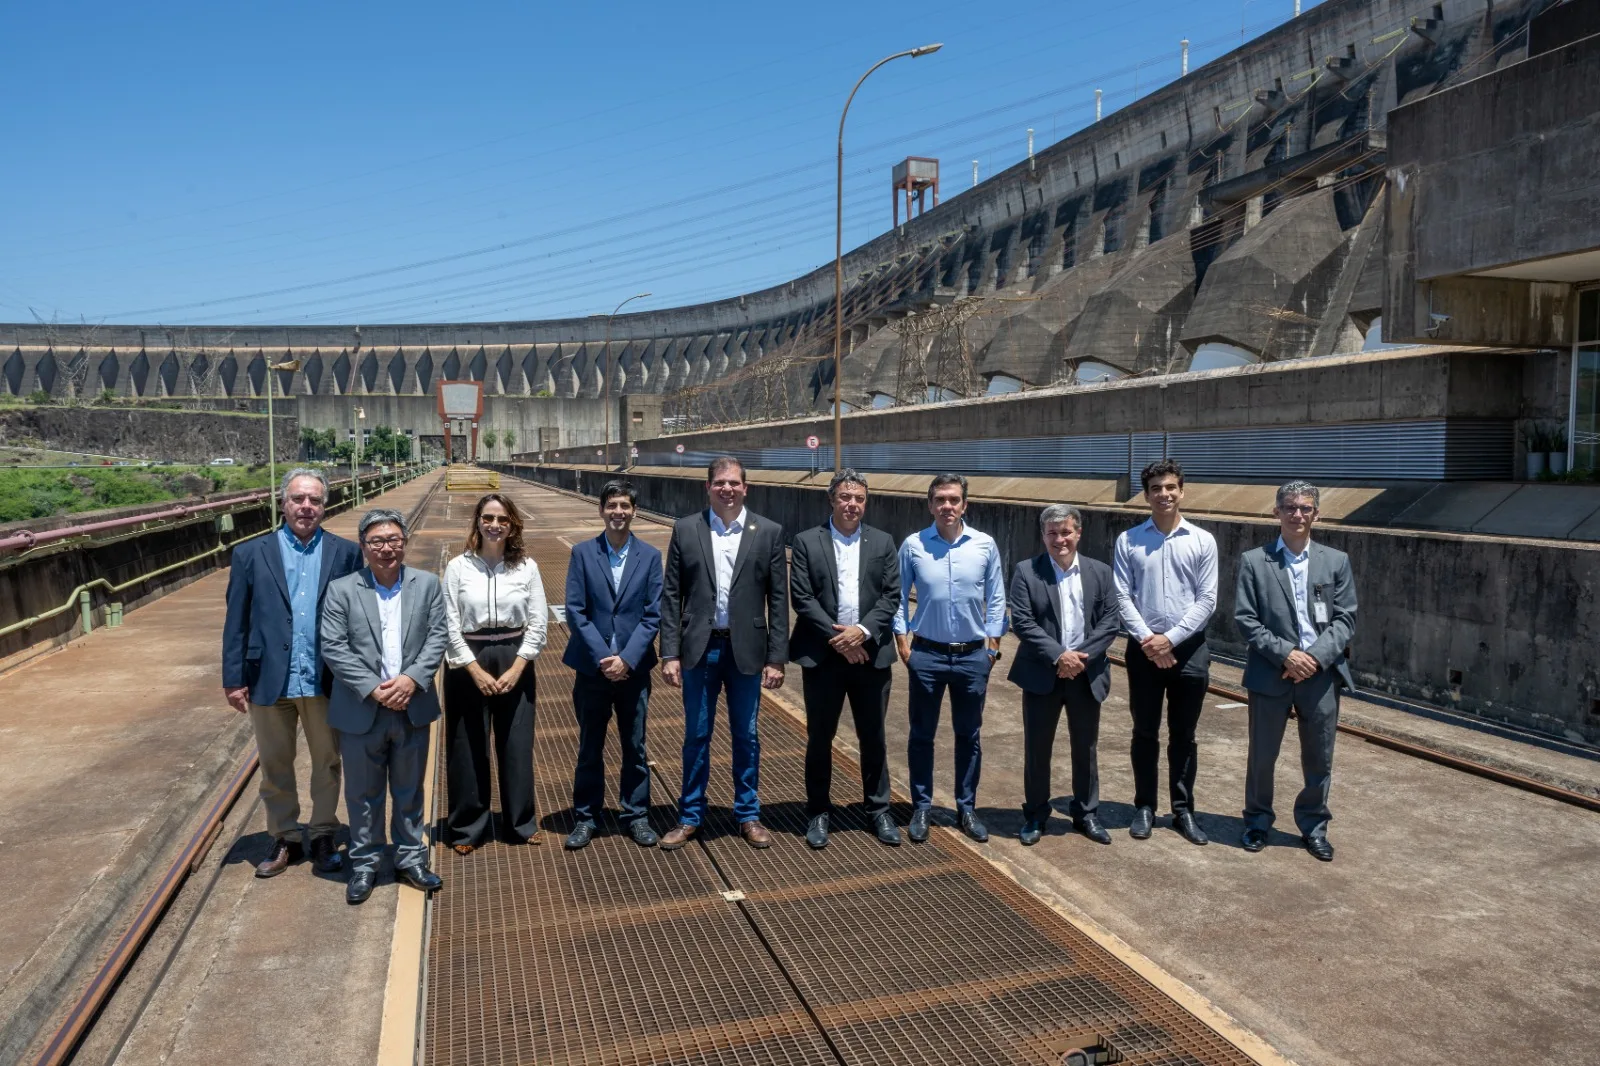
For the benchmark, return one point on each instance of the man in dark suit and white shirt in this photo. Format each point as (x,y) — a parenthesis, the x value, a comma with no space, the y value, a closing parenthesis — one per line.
(844,581)
(1064,612)
(724,626)
(384,633)
(1295,606)
(613,613)
(272,666)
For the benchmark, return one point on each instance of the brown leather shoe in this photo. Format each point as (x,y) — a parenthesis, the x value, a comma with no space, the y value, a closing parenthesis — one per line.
(463,849)
(678,836)
(284,852)
(755,834)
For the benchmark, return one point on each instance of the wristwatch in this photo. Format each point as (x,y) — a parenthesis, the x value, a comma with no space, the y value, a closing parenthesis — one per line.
(995,654)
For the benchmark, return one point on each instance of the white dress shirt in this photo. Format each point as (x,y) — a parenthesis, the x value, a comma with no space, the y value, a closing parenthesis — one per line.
(847,561)
(1300,580)
(1166,583)
(1069,587)
(478,596)
(391,624)
(725,549)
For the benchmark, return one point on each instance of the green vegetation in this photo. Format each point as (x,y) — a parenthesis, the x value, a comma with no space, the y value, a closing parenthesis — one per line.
(385,446)
(26,494)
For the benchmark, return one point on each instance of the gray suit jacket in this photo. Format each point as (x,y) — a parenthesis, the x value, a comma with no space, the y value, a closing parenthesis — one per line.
(352,647)
(1263,609)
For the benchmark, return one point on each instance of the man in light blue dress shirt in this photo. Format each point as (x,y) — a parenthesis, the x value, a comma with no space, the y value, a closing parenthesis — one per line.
(952,643)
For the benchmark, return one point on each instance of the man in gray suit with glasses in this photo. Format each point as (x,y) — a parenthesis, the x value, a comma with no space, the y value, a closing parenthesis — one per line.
(1295,606)
(383,635)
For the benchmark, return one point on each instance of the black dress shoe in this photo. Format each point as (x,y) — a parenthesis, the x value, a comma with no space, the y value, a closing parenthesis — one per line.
(1319,847)
(325,855)
(1089,825)
(359,887)
(1030,833)
(580,836)
(974,828)
(639,829)
(1184,822)
(419,877)
(1144,819)
(1253,840)
(817,831)
(887,832)
(918,829)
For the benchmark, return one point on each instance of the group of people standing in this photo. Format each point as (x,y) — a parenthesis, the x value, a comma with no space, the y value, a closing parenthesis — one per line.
(343,641)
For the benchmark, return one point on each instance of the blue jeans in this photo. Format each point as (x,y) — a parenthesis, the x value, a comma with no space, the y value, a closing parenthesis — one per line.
(701,686)
(967,679)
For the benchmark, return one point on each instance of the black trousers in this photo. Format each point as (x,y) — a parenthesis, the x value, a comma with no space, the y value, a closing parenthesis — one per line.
(469,716)
(1041,715)
(1183,688)
(595,698)
(826,688)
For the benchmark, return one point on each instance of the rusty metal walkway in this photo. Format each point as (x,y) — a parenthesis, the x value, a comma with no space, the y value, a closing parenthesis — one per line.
(717,953)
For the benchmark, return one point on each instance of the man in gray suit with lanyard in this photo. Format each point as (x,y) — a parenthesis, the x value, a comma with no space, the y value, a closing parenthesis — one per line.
(1296,608)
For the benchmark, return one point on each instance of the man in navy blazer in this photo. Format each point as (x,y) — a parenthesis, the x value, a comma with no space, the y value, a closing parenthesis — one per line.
(272,666)
(1064,612)
(613,613)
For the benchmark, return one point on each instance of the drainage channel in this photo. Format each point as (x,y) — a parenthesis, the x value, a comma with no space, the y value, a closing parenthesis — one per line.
(857,954)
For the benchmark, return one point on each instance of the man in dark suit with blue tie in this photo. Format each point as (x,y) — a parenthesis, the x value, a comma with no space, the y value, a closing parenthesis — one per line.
(272,666)
(613,613)
(1064,612)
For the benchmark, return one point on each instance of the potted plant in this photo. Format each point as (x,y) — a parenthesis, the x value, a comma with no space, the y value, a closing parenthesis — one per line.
(1556,439)
(1533,438)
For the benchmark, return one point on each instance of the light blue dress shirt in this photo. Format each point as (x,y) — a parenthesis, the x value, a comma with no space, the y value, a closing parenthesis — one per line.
(302,572)
(961,592)
(618,560)
(1300,578)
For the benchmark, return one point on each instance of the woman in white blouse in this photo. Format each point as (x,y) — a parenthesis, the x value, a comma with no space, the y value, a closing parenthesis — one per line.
(495,601)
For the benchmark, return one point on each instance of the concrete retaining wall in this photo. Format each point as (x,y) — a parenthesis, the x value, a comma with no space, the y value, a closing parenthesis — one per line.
(182,436)
(1498,627)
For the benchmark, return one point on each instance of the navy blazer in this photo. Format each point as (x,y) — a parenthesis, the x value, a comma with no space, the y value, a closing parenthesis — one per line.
(1035,604)
(259,630)
(595,612)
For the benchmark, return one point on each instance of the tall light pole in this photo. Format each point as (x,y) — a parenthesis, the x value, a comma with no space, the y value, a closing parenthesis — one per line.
(355,452)
(613,314)
(838,251)
(272,444)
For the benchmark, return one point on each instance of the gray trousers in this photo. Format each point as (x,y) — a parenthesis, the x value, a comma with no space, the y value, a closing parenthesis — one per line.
(390,757)
(1317,701)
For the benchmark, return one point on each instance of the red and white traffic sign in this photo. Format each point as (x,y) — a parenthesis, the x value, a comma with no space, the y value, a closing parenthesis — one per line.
(812,442)
(633,452)
(678,448)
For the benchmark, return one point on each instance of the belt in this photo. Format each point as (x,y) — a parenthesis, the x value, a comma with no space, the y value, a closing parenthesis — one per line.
(725,634)
(488,636)
(946,649)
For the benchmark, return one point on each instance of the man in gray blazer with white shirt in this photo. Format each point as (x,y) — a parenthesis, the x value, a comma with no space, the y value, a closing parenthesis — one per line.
(383,635)
(1295,606)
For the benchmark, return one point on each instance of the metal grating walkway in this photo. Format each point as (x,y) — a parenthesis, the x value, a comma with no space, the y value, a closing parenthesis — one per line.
(857,954)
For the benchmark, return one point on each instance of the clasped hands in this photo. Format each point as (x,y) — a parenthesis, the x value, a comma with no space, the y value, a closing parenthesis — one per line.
(1158,649)
(848,641)
(396,692)
(489,684)
(1300,666)
(1071,663)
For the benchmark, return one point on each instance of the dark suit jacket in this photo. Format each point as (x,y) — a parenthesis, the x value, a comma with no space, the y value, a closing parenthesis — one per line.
(595,612)
(814,588)
(1036,619)
(758,602)
(258,631)
(1264,611)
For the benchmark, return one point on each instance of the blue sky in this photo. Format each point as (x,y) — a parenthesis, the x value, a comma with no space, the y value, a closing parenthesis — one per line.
(296,163)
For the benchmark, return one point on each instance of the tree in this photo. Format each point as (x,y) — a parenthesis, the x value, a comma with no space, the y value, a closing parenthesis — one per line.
(311,442)
(490,439)
(387,446)
(509,439)
(342,452)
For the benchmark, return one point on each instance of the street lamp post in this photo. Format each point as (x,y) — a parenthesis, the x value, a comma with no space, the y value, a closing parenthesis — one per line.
(607,390)
(272,443)
(838,251)
(355,452)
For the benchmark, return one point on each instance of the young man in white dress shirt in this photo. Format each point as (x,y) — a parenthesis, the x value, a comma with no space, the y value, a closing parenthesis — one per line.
(1166,577)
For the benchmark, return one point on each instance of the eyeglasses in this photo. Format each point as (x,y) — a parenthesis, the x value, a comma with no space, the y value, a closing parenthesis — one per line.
(385,542)
(495,519)
(1299,509)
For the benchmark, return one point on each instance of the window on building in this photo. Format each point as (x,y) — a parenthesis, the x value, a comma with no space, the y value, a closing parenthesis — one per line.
(1586,383)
